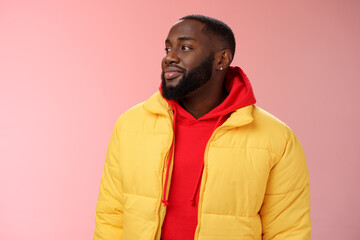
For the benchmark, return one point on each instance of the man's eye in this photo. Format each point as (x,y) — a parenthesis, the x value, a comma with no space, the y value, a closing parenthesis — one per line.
(167,49)
(186,48)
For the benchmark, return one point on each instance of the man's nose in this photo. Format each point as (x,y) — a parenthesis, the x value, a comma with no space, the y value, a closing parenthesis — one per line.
(171,57)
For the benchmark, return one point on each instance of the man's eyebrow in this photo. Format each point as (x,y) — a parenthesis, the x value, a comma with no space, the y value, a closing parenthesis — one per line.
(182,39)
(186,38)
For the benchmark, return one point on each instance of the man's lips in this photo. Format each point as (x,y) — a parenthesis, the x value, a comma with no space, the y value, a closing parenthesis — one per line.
(171,75)
(172,72)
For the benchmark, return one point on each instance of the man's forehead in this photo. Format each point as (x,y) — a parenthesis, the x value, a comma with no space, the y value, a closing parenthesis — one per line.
(189,28)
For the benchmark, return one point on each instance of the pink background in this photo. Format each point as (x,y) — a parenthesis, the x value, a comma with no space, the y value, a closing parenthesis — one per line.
(68,69)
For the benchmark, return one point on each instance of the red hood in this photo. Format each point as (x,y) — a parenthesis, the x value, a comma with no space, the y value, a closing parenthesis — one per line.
(240,95)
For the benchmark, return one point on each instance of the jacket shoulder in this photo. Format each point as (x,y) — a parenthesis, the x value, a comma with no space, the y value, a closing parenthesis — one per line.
(270,132)
(269,122)
(132,118)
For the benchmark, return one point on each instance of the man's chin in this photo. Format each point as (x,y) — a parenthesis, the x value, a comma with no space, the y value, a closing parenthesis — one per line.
(170,88)
(169,94)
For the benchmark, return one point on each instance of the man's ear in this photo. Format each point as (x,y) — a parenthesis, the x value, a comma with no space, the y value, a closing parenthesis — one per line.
(223,58)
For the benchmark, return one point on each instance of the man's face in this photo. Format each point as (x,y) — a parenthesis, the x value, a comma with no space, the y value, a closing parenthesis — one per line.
(188,62)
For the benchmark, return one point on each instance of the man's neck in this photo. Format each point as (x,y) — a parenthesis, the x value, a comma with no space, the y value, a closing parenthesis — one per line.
(199,105)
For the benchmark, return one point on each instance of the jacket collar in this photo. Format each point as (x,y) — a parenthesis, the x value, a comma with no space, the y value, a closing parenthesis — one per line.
(240,117)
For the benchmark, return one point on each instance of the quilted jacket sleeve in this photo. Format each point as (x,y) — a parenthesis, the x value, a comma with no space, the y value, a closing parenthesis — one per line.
(285,213)
(109,209)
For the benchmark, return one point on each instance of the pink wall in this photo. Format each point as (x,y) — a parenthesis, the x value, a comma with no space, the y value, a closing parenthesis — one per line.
(68,69)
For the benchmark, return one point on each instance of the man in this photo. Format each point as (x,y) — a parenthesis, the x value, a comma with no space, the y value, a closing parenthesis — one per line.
(199,160)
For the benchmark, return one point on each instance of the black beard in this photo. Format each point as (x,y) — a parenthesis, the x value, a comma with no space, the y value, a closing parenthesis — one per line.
(190,81)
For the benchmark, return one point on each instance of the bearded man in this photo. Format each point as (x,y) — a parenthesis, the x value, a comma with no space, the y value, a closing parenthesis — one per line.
(199,160)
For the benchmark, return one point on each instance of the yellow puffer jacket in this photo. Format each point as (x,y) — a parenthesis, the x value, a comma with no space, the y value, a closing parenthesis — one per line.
(255,183)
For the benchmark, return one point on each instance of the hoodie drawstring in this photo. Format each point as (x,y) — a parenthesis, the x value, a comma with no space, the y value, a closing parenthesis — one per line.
(165,202)
(193,202)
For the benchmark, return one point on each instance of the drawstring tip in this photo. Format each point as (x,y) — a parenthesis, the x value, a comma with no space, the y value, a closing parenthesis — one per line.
(193,203)
(166,203)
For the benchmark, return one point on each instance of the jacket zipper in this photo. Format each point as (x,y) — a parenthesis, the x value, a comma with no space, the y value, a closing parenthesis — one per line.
(159,207)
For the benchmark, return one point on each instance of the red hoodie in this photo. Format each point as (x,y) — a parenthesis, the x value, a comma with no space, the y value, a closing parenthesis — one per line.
(191,137)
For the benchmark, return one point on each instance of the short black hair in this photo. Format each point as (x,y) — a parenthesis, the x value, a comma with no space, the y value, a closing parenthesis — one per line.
(217,28)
